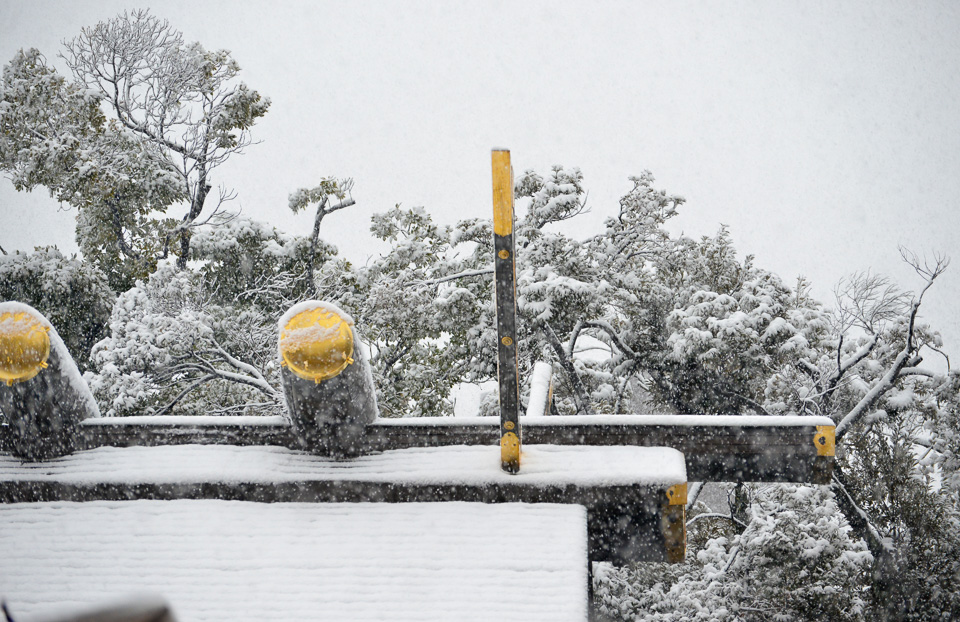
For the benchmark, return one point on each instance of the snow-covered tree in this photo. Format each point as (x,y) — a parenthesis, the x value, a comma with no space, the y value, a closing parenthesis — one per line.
(178,97)
(322,196)
(203,339)
(141,125)
(54,133)
(173,348)
(795,558)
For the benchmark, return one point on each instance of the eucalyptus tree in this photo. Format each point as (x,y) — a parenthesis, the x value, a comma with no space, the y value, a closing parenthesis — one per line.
(178,97)
(141,125)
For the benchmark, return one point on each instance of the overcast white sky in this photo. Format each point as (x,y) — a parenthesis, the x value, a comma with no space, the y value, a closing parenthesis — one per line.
(824,134)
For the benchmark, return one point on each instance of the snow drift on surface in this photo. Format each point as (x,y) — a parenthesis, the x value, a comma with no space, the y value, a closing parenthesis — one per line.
(238,561)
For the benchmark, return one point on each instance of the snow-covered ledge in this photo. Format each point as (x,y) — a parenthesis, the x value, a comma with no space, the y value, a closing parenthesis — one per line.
(634,496)
(471,465)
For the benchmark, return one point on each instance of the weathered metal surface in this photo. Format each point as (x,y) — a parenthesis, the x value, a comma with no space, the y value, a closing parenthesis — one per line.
(506,298)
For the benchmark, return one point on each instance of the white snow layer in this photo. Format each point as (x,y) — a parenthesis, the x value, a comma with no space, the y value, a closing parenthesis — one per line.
(540,465)
(238,561)
(308,305)
(240,421)
(645,420)
(539,401)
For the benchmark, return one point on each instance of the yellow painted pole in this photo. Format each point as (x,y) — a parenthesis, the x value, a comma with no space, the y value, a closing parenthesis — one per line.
(505,270)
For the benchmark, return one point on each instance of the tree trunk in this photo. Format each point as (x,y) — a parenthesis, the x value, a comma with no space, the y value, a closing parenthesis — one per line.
(196,206)
(579,391)
(887,589)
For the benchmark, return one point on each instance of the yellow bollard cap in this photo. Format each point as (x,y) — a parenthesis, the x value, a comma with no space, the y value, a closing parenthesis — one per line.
(24,346)
(317,344)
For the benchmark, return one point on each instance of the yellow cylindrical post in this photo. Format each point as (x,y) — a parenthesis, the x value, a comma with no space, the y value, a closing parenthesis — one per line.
(506,291)
(326,379)
(42,394)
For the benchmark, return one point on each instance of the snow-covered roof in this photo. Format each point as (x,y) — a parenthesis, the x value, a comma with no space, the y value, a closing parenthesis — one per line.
(233,560)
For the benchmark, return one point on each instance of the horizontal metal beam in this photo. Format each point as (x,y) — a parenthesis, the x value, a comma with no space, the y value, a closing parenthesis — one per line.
(722,448)
(717,448)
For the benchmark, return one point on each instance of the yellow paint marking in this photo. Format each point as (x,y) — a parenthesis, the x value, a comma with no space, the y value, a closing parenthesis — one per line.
(316,344)
(825,440)
(510,452)
(502,192)
(677,495)
(24,346)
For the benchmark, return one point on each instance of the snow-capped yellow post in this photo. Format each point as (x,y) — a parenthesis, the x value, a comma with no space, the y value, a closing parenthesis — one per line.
(42,393)
(506,276)
(326,379)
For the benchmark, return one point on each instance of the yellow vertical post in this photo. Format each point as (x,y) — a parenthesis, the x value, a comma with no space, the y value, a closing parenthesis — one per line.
(506,290)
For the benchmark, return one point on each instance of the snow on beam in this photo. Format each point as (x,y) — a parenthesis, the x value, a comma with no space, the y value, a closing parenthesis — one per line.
(718,448)
(634,495)
(217,561)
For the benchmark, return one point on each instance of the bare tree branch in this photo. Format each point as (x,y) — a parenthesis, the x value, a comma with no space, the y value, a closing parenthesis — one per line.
(715,515)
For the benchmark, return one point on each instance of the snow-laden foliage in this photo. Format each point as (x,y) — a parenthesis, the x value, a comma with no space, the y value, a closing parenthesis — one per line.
(171,346)
(180,98)
(796,559)
(140,125)
(53,133)
(203,340)
(72,294)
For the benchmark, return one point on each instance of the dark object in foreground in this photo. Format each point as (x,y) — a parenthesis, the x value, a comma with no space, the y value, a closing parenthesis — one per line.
(134,611)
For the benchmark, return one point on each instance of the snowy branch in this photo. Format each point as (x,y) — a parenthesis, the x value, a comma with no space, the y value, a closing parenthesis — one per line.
(728,517)
(859,519)
(466,274)
(905,358)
